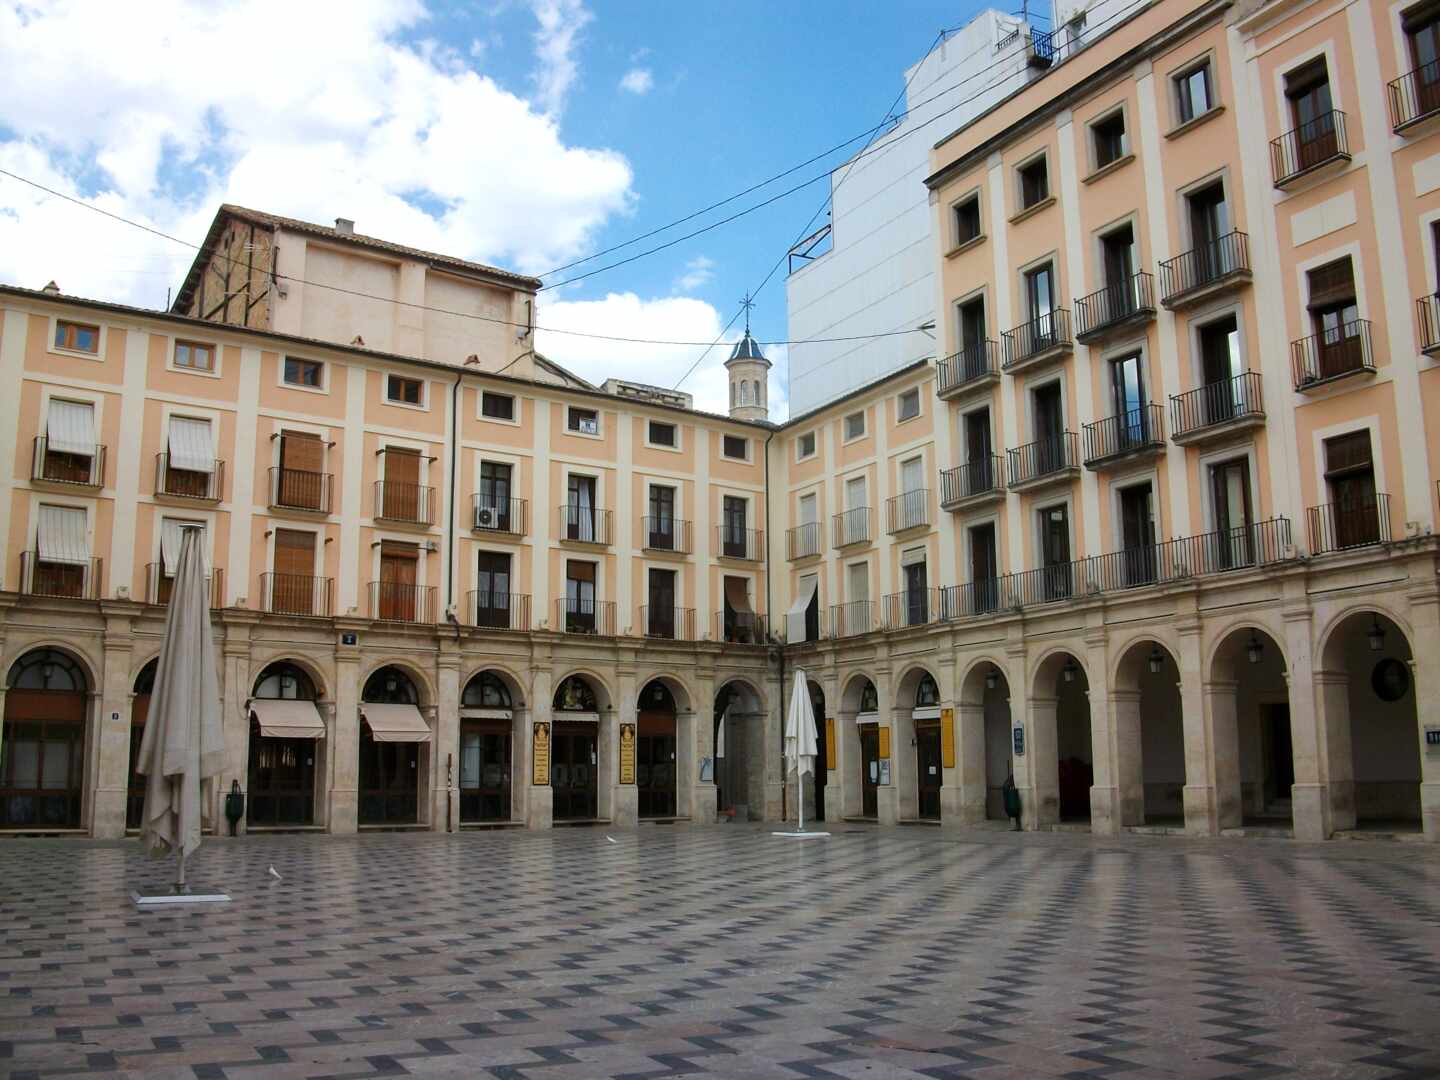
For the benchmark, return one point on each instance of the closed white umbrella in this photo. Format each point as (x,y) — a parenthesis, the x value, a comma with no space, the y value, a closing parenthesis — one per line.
(183,742)
(800,743)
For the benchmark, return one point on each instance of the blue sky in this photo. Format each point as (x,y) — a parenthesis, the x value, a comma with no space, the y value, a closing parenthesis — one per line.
(524,132)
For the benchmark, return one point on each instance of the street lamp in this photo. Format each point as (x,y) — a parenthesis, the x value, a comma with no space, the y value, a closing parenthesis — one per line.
(1157,658)
(1254,648)
(1069,670)
(992,678)
(1376,636)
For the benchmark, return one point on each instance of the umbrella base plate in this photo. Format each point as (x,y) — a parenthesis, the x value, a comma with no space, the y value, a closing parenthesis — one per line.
(171,899)
(803,835)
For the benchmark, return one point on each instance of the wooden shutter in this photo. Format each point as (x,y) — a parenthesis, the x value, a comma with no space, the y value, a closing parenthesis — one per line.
(302,462)
(293,589)
(398,566)
(402,485)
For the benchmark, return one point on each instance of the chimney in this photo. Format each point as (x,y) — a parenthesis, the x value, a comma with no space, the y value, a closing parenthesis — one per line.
(51,288)
(345,225)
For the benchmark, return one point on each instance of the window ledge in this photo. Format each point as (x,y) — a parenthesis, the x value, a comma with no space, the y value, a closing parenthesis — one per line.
(1106,170)
(1194,122)
(1031,211)
(974,241)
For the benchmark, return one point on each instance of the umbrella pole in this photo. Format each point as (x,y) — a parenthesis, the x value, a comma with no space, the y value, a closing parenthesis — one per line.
(800,797)
(180,888)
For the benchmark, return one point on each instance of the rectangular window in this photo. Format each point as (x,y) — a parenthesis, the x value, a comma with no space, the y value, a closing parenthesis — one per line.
(661,596)
(492,590)
(581,518)
(736,542)
(194,355)
(1353,516)
(805,447)
(1055,582)
(1335,318)
(735,447)
(1040,302)
(190,464)
(908,405)
(1110,141)
(492,505)
(660,525)
(1034,182)
(855,425)
(1230,503)
(293,587)
(70,449)
(497,406)
(1312,112)
(1117,251)
(1193,92)
(62,552)
(967,219)
(78,337)
(857,583)
(579,597)
(808,510)
(404,391)
(984,568)
(301,482)
(661,433)
(304,372)
(585,421)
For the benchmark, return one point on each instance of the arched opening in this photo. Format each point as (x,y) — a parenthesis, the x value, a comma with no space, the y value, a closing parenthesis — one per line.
(1369,690)
(1060,748)
(42,753)
(487,716)
(1150,735)
(574,757)
(655,751)
(984,742)
(394,740)
(286,730)
(815,791)
(861,701)
(929,767)
(739,733)
(139,713)
(1249,703)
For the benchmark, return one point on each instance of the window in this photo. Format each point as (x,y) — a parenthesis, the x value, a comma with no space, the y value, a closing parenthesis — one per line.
(1117,251)
(62,552)
(404,391)
(172,532)
(855,425)
(967,219)
(78,337)
(581,516)
(579,597)
(195,356)
(1034,182)
(661,433)
(1109,136)
(190,462)
(908,405)
(660,525)
(492,590)
(661,596)
(497,406)
(1312,111)
(735,447)
(1422,33)
(584,421)
(492,502)
(1209,221)
(1193,92)
(805,448)
(1231,508)
(304,372)
(735,540)
(1352,518)
(1040,299)
(69,452)
(1335,317)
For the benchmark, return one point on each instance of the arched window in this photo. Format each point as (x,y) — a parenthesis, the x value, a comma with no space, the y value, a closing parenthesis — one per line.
(285,681)
(869,699)
(575,695)
(390,686)
(47,669)
(656,697)
(927,693)
(732,395)
(486,691)
(758,399)
(145,681)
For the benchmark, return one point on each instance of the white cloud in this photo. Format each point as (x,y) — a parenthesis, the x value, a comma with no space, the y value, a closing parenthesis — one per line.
(698,271)
(560,24)
(638,81)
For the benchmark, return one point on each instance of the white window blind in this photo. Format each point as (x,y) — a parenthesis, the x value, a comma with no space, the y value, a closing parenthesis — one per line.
(912,477)
(70,427)
(795,617)
(60,535)
(190,445)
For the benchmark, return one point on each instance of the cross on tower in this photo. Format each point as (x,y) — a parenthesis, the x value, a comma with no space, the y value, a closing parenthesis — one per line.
(747,304)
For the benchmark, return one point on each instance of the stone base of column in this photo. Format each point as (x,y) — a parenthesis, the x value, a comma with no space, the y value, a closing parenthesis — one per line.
(1430,812)
(1105,811)
(540,808)
(887,805)
(1342,805)
(344,814)
(108,820)
(774,803)
(1201,815)
(1310,811)
(703,804)
(625,806)
(958,806)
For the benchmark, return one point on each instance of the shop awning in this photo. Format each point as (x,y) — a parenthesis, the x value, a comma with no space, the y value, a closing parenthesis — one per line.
(395,723)
(795,617)
(280,719)
(478,713)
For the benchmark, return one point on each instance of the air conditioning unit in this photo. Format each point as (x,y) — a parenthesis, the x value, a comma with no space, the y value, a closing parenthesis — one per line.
(487,517)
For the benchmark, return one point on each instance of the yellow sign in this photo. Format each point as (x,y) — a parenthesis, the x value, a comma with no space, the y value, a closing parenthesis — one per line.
(947,738)
(829,742)
(541,777)
(884,752)
(627,753)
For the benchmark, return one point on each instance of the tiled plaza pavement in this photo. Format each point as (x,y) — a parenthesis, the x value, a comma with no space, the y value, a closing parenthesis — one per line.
(726,952)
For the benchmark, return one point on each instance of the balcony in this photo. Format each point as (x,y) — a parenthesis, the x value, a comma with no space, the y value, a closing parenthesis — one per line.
(1217,410)
(1208,270)
(1309,147)
(191,485)
(733,542)
(802,541)
(1136,433)
(399,601)
(499,517)
(486,610)
(741,628)
(1115,309)
(1037,343)
(75,578)
(666,534)
(972,368)
(908,510)
(300,490)
(1428,310)
(74,467)
(1334,354)
(975,598)
(1342,526)
(852,619)
(1242,547)
(574,616)
(667,623)
(852,527)
(297,594)
(973,484)
(399,502)
(1051,460)
(158,585)
(1415,97)
(914,607)
(584,525)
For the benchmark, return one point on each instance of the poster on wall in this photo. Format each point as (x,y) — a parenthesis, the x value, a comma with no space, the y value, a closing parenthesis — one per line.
(627,753)
(947,738)
(541,771)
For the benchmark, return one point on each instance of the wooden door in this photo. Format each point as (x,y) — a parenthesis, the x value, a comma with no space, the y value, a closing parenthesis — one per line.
(928,774)
(293,584)
(389,781)
(1137,526)
(401,500)
(43,765)
(397,589)
(302,477)
(484,770)
(492,590)
(869,770)
(572,772)
(655,764)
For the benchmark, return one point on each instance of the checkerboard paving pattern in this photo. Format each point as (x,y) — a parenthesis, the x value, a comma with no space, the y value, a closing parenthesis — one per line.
(725,951)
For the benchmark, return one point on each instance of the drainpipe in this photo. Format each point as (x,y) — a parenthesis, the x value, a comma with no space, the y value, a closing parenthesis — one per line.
(780,649)
(454,473)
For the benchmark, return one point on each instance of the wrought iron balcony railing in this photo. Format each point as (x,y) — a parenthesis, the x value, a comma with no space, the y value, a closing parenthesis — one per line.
(584,524)
(301,489)
(404,502)
(970,365)
(1045,457)
(975,598)
(49,576)
(1308,147)
(188,483)
(671,623)
(741,627)
(158,585)
(915,607)
(1415,96)
(852,527)
(852,618)
(1118,304)
(296,594)
(1036,338)
(399,601)
(802,541)
(574,616)
(1427,308)
(733,542)
(488,610)
(491,515)
(1333,354)
(53,466)
(908,510)
(972,480)
(1216,403)
(1343,525)
(1226,258)
(666,534)
(1125,433)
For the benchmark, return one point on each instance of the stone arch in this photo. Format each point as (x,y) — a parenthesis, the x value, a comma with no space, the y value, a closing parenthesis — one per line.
(1247,705)
(48,736)
(852,691)
(1147,713)
(1218,661)
(87,664)
(739,770)
(754,688)
(137,668)
(909,681)
(604,696)
(519,696)
(1059,745)
(971,688)
(984,745)
(857,758)
(424,686)
(311,671)
(685,697)
(397,777)
(917,768)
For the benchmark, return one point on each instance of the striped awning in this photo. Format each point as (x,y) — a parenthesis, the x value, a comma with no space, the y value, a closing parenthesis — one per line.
(70,427)
(191,448)
(60,534)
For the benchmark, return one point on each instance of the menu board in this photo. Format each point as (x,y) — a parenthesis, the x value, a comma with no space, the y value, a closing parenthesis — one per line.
(541,776)
(627,753)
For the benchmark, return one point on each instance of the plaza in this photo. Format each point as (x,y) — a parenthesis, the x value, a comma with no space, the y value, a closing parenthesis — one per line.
(724,951)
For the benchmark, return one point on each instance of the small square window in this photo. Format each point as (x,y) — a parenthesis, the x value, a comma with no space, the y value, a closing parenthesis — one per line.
(967,220)
(661,433)
(304,372)
(195,356)
(585,421)
(404,391)
(806,447)
(1194,92)
(1110,141)
(909,404)
(79,337)
(497,406)
(1034,182)
(855,425)
(735,447)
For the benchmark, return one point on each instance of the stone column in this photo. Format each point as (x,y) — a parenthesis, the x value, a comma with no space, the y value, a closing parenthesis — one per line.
(971,787)
(1114,771)
(771,753)
(110,723)
(1127,772)
(1425,678)
(1199,794)
(344,743)
(835,779)
(445,739)
(1222,724)
(1018,705)
(235,686)
(848,765)
(905,766)
(537,803)
(887,796)
(699,799)
(950,779)
(624,798)
(1310,797)
(1337,761)
(1037,771)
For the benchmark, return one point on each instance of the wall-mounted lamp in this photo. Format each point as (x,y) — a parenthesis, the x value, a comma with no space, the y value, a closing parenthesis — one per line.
(1377,637)
(1069,670)
(1253,649)
(1157,659)
(992,678)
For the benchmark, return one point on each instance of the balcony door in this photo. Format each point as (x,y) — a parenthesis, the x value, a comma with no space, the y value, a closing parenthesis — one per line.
(293,588)
(579,597)
(580,507)
(734,516)
(1118,251)
(399,564)
(402,485)
(973,361)
(1137,527)
(1422,29)
(1049,428)
(662,519)
(493,506)
(1128,389)
(302,465)
(1350,476)
(492,590)
(857,595)
(1230,499)
(917,593)
(1221,367)
(661,592)
(855,510)
(1335,315)
(1311,108)
(1209,221)
(1040,306)
(1055,552)
(984,568)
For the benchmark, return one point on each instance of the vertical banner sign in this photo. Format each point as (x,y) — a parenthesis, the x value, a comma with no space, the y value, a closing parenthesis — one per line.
(829,742)
(947,738)
(541,777)
(627,753)
(884,752)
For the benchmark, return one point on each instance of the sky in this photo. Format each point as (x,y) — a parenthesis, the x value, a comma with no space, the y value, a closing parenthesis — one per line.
(526,134)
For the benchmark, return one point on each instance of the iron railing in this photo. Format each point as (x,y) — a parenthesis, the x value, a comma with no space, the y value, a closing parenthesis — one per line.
(575,616)
(497,610)
(975,598)
(158,585)
(1239,547)
(1332,354)
(1428,309)
(1216,403)
(1042,48)
(296,594)
(1203,265)
(1037,336)
(1117,303)
(1124,433)
(850,619)
(67,466)
(915,607)
(509,516)
(974,478)
(1343,525)
(78,578)
(852,527)
(1415,96)
(1043,457)
(188,483)
(732,542)
(741,627)
(971,363)
(666,534)
(403,501)
(399,601)
(802,541)
(584,524)
(908,510)
(672,623)
(300,489)
(1309,146)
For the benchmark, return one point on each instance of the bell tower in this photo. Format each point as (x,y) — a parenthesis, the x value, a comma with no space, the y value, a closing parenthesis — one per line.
(749,376)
